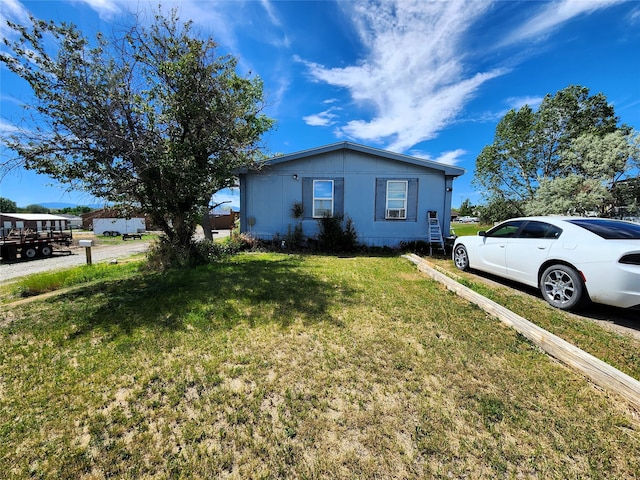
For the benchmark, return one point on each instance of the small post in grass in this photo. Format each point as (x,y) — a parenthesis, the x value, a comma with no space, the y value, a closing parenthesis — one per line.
(87,244)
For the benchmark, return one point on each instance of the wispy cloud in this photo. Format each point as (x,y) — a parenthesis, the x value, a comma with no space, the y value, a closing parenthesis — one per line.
(553,15)
(218,19)
(511,103)
(414,75)
(107,9)
(266,4)
(519,102)
(7,128)
(14,11)
(453,157)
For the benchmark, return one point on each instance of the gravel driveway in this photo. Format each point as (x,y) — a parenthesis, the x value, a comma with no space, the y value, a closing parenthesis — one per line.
(60,259)
(102,253)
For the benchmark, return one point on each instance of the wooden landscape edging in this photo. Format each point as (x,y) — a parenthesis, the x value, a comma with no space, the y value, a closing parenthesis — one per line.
(599,372)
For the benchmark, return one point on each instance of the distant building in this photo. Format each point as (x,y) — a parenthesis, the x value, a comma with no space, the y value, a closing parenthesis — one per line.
(75,221)
(223,220)
(38,222)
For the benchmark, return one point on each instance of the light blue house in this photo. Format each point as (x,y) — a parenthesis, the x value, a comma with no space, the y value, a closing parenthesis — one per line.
(387,195)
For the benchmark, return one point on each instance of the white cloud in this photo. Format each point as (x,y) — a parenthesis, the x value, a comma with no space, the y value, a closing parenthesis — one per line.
(414,75)
(415,78)
(452,157)
(322,119)
(553,15)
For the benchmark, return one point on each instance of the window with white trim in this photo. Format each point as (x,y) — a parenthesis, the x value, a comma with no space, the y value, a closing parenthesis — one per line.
(396,203)
(322,198)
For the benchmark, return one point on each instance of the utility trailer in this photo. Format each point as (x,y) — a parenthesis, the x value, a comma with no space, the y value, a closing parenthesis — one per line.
(30,244)
(114,227)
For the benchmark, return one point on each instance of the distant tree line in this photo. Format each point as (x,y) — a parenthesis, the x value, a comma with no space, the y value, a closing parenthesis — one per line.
(9,206)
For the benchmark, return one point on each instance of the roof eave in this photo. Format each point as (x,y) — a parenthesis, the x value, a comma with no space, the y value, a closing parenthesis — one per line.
(448,170)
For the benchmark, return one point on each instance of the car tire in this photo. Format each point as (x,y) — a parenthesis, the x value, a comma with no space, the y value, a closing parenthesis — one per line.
(562,287)
(461,257)
(29,253)
(46,251)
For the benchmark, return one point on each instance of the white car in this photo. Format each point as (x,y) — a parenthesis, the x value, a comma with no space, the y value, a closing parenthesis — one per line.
(570,259)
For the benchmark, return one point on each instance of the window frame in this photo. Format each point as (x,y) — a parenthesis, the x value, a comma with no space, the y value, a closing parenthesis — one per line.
(541,230)
(405,200)
(609,229)
(322,199)
(511,228)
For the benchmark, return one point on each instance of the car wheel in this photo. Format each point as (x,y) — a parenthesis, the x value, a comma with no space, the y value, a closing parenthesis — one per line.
(562,287)
(46,250)
(29,252)
(461,258)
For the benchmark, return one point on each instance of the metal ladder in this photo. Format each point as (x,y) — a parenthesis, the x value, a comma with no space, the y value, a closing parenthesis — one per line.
(435,233)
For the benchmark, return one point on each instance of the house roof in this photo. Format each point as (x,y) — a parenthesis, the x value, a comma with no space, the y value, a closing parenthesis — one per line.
(447,169)
(33,217)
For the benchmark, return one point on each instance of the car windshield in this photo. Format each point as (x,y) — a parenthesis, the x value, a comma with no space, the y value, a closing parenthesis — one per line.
(610,229)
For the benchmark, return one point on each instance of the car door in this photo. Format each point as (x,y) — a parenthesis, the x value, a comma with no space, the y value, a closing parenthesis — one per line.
(491,251)
(528,249)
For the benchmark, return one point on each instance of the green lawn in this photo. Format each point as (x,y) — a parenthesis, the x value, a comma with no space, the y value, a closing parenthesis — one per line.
(283,366)
(462,229)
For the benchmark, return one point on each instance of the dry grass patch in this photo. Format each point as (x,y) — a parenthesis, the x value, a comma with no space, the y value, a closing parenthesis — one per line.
(272,366)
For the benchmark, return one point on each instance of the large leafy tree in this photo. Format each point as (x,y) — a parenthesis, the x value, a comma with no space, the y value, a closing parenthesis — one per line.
(7,206)
(540,155)
(592,171)
(154,121)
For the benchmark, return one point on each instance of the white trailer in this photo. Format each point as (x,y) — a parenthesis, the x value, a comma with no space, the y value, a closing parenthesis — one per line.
(112,227)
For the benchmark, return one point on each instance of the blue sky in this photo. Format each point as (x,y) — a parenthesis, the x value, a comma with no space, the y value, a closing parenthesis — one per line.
(430,79)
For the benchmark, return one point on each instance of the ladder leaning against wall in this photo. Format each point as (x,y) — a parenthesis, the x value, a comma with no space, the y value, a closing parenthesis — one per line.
(435,233)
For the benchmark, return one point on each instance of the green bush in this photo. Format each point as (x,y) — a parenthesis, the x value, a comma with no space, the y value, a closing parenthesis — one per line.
(337,235)
(294,237)
(163,254)
(419,247)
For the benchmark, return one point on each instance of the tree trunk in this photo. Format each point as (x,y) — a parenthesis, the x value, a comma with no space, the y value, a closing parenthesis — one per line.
(206,224)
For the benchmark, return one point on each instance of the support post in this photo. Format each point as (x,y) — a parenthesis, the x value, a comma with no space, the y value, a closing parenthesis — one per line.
(87,244)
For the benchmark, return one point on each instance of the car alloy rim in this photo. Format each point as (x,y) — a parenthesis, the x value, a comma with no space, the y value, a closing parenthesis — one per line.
(559,286)
(461,258)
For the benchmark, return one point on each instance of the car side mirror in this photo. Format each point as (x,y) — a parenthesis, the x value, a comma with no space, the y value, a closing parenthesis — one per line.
(482,233)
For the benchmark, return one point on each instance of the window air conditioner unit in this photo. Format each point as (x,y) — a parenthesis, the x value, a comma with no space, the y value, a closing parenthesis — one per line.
(396,213)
